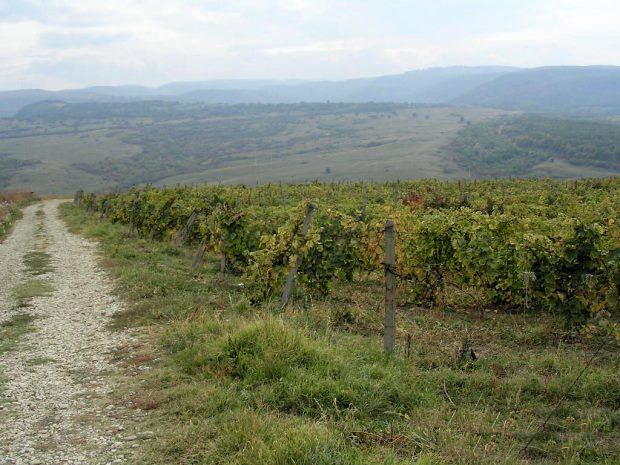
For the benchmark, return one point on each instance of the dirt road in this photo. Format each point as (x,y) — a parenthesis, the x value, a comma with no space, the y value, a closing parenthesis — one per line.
(56,375)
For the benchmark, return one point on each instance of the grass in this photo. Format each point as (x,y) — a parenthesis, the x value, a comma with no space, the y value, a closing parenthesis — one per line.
(248,149)
(13,329)
(16,197)
(38,263)
(238,384)
(10,204)
(57,152)
(562,169)
(8,216)
(24,292)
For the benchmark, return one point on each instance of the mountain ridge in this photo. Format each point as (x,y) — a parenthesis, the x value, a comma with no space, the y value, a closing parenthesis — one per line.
(545,89)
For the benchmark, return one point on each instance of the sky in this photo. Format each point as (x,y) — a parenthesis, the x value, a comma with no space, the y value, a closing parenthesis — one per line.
(56,44)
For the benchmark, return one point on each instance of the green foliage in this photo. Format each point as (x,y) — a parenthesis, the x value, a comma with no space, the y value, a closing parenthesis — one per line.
(10,208)
(514,146)
(9,214)
(236,384)
(517,244)
(12,329)
(288,371)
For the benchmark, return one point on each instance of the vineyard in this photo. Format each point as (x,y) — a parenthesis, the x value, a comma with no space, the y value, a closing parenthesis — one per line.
(513,245)
(268,305)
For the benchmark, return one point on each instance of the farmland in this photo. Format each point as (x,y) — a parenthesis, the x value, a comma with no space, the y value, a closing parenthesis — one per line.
(494,335)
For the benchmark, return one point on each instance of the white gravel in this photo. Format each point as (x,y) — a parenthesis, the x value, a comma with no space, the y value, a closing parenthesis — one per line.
(58,411)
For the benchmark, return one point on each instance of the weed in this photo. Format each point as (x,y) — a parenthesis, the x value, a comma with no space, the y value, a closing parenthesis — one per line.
(14,328)
(10,204)
(38,263)
(24,292)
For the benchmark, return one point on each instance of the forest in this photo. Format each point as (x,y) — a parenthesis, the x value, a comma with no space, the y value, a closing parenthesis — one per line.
(514,146)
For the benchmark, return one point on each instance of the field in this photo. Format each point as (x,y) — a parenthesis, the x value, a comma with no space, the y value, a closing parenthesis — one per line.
(502,356)
(59,148)
(49,159)
(350,143)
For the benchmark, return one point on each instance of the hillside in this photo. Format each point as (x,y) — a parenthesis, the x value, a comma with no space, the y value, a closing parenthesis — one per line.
(504,308)
(552,89)
(58,147)
(538,146)
(434,85)
(61,148)
(592,89)
(13,101)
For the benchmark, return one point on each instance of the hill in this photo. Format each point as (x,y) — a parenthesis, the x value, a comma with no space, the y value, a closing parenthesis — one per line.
(12,101)
(562,89)
(59,147)
(538,146)
(105,146)
(435,85)
(552,89)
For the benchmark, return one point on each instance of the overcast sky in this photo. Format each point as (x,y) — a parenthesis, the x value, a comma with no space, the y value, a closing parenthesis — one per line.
(54,44)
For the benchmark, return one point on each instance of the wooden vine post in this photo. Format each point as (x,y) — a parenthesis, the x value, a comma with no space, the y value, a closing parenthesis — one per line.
(389,334)
(105,210)
(90,206)
(364,201)
(200,253)
(77,198)
(134,212)
(292,274)
(183,235)
(223,259)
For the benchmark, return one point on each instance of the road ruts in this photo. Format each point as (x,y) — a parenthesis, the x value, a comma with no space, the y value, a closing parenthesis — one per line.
(54,401)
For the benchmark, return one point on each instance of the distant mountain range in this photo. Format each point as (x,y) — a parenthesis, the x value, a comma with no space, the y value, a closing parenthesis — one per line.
(549,89)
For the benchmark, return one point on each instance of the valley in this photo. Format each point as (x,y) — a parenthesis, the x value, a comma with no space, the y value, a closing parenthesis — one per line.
(61,148)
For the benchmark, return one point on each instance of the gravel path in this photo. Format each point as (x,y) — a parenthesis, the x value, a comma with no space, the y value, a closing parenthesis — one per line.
(11,253)
(54,406)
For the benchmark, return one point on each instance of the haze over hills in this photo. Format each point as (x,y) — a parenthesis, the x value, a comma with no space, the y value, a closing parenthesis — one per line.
(551,89)
(450,123)
(548,89)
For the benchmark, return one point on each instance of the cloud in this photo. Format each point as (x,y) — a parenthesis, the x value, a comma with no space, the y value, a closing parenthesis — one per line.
(79,40)
(50,43)
(325,47)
